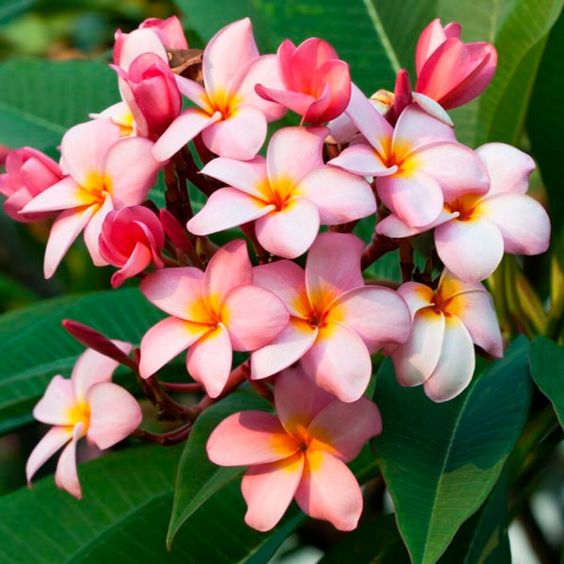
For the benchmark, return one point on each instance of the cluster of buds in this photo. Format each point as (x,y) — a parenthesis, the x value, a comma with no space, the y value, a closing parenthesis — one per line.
(308,333)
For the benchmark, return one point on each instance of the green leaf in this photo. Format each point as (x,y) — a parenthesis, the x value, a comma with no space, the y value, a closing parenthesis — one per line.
(198,478)
(547,370)
(34,346)
(40,100)
(10,9)
(440,461)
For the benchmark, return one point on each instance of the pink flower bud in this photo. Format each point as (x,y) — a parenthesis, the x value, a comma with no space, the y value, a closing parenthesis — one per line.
(450,71)
(28,172)
(131,239)
(150,91)
(170,31)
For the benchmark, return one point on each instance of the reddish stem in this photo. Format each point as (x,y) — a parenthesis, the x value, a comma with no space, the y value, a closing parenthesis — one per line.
(378,246)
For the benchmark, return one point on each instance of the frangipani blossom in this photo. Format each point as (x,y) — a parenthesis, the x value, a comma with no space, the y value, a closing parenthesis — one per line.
(474,231)
(416,165)
(86,405)
(316,83)
(299,453)
(446,324)
(336,321)
(106,172)
(288,195)
(212,314)
(231,117)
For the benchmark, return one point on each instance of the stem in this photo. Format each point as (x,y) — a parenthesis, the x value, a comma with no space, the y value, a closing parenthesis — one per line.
(263,256)
(181,388)
(169,438)
(406,260)
(190,170)
(378,246)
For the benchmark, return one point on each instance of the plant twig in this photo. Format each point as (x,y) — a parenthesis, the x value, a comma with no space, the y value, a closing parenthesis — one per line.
(378,246)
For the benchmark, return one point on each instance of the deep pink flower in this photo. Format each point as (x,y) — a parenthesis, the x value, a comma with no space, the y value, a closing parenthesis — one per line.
(212,314)
(131,239)
(86,405)
(231,117)
(301,452)
(106,172)
(28,173)
(288,195)
(474,231)
(316,83)
(336,321)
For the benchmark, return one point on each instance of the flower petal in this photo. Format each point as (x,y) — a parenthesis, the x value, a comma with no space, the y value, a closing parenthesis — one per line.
(93,229)
(51,442)
(432,107)
(66,476)
(194,92)
(417,128)
(416,296)
(247,176)
(57,401)
(392,226)
(298,102)
(363,160)
(65,194)
(140,259)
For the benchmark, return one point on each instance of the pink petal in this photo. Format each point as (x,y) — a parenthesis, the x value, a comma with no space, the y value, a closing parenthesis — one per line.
(249,437)
(509,169)
(64,231)
(286,164)
(333,267)
(268,490)
(133,170)
(239,135)
(166,340)
(247,176)
(289,347)
(114,414)
(455,167)
(339,362)
(523,222)
(178,291)
(66,476)
(416,198)
(298,102)
(255,317)
(339,196)
(329,491)
(456,363)
(65,194)
(431,37)
(418,128)
(432,107)
(51,442)
(229,267)
(57,401)
(182,130)
(194,92)
(471,250)
(363,160)
(209,360)
(342,429)
(227,208)
(140,259)
(289,232)
(137,42)
(378,315)
(298,400)
(415,361)
(392,226)
(93,229)
(416,296)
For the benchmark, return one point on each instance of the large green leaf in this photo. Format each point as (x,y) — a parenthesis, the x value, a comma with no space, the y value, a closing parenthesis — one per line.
(547,370)
(40,100)
(440,461)
(34,346)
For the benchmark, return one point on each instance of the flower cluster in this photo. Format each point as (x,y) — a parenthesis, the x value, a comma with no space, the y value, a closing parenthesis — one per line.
(290,296)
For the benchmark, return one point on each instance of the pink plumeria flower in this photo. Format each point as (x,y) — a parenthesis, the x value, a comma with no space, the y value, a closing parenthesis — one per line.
(119,114)
(474,231)
(288,195)
(86,405)
(231,117)
(316,83)
(299,453)
(106,172)
(131,239)
(446,324)
(212,314)
(28,173)
(416,165)
(336,321)
(450,71)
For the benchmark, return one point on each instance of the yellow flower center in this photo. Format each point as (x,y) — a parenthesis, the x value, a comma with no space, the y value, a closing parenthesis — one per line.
(80,413)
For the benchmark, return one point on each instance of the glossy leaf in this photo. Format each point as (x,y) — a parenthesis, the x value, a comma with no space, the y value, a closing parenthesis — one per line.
(440,461)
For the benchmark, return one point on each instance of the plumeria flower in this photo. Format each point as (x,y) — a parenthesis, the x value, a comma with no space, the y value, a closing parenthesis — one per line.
(446,324)
(231,117)
(299,453)
(336,321)
(86,405)
(288,195)
(416,165)
(28,173)
(316,83)
(131,239)
(105,172)
(474,231)
(212,314)
(119,114)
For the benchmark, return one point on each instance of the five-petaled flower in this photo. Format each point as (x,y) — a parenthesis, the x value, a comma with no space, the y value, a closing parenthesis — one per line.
(301,452)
